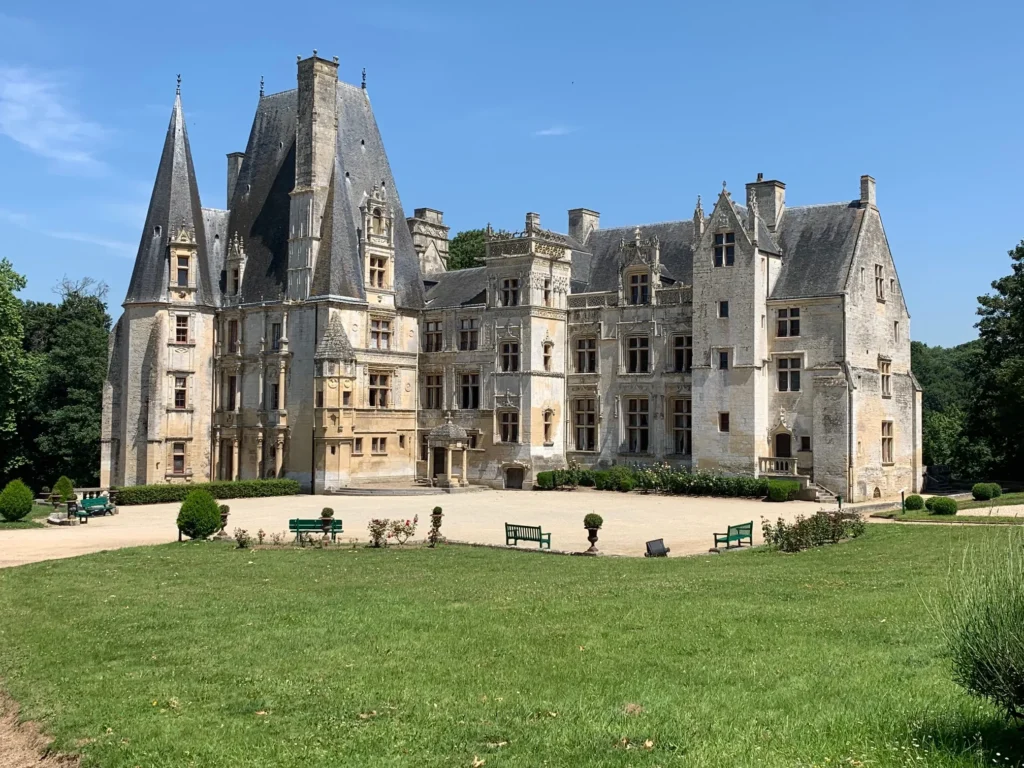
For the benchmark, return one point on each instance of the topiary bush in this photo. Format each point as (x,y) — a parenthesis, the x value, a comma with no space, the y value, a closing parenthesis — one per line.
(199,516)
(15,501)
(982,491)
(65,488)
(587,478)
(221,489)
(941,505)
(592,520)
(546,481)
(783,490)
(913,503)
(982,614)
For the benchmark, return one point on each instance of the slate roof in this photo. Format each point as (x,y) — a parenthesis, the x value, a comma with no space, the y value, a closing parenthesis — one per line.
(602,268)
(215,222)
(173,203)
(448,431)
(335,344)
(817,245)
(457,288)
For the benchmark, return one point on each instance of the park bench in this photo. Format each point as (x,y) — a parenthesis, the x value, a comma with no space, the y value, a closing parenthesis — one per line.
(735,533)
(299,526)
(516,533)
(657,548)
(97,506)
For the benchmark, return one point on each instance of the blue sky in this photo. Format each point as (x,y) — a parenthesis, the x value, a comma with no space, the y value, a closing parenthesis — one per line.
(490,109)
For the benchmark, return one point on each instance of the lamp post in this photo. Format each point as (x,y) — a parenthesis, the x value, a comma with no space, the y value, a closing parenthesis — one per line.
(903,499)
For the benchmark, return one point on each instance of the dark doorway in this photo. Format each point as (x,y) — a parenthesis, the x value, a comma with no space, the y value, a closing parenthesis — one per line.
(783,445)
(440,462)
(514,478)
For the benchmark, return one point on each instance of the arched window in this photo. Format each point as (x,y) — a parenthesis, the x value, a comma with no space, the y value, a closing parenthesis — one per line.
(377,225)
(548,426)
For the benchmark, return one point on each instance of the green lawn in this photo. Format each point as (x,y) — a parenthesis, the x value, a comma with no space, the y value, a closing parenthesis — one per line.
(926,516)
(1006,500)
(35,518)
(201,655)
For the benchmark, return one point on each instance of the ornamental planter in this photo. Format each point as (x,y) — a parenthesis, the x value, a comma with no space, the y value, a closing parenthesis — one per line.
(325,524)
(592,538)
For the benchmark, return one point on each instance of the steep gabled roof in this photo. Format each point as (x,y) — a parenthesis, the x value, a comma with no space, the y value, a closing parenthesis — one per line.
(817,243)
(360,167)
(173,204)
(456,288)
(600,271)
(335,344)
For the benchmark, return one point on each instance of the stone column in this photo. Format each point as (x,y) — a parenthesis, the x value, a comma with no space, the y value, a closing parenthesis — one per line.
(449,468)
(216,455)
(234,459)
(430,463)
(279,458)
(464,481)
(280,386)
(259,456)
(263,386)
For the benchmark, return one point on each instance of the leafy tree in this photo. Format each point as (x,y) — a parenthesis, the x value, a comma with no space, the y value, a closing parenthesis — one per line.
(12,392)
(15,501)
(467,249)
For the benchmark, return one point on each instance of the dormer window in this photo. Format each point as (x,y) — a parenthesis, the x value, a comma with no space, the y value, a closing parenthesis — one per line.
(725,249)
(183,271)
(510,292)
(640,288)
(377,222)
(235,281)
(378,271)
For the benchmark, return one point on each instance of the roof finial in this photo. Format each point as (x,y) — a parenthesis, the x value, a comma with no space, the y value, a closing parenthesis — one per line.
(723,185)
(699,210)
(261,86)
(314,52)
(177,91)
(364,78)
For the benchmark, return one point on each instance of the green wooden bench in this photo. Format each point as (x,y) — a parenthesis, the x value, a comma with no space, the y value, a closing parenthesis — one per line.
(299,526)
(516,533)
(97,506)
(735,533)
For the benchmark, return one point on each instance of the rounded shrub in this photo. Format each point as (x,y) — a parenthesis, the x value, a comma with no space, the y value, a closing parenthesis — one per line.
(626,484)
(941,505)
(783,490)
(982,491)
(587,478)
(436,511)
(546,481)
(593,520)
(65,488)
(913,503)
(326,512)
(199,516)
(15,501)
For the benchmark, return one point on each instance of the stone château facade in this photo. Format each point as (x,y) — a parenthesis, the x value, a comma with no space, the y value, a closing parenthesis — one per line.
(312,331)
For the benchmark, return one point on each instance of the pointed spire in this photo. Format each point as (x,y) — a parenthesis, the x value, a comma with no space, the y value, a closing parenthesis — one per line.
(261,86)
(698,212)
(364,78)
(335,344)
(174,216)
(177,91)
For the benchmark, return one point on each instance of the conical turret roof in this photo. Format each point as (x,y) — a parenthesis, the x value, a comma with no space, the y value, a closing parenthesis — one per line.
(335,344)
(174,205)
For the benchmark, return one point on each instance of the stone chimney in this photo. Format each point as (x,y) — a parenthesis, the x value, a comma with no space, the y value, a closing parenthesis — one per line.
(532,221)
(318,122)
(583,221)
(234,166)
(867,191)
(771,200)
(429,239)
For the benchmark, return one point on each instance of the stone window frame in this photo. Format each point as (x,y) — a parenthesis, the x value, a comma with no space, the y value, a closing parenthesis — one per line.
(879,282)
(547,353)
(724,249)
(723,309)
(233,394)
(727,359)
(803,440)
(637,424)
(380,331)
(179,327)
(466,389)
(433,390)
(546,292)
(377,390)
(469,334)
(587,353)
(635,354)
(682,426)
(433,335)
(275,395)
(181,398)
(236,281)
(724,425)
(585,419)
(183,262)
(787,324)
(357,446)
(784,367)
(276,334)
(549,427)
(379,446)
(509,356)
(885,376)
(510,292)
(508,425)
(177,454)
(378,269)
(637,287)
(888,442)
(684,350)
(424,446)
(234,334)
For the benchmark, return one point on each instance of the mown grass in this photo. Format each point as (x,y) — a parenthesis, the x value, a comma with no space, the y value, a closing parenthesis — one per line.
(927,517)
(34,520)
(1006,500)
(203,655)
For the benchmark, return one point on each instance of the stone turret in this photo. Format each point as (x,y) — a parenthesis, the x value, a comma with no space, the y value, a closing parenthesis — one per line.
(430,239)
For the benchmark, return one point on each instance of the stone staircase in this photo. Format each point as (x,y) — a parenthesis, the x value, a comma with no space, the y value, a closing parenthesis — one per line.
(823,495)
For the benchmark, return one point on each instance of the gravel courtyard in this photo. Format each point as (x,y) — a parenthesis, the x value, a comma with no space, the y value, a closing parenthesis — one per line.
(686,523)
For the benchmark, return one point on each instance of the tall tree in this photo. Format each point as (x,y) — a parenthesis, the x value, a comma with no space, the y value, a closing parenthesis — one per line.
(12,373)
(467,249)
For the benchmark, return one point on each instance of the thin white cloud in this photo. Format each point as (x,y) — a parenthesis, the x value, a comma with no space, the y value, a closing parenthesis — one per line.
(555,130)
(24,221)
(35,113)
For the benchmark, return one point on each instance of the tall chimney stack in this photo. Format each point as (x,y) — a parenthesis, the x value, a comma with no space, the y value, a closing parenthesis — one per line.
(583,221)
(867,191)
(234,166)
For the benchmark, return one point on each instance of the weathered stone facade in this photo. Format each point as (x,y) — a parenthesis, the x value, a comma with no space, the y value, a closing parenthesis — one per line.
(312,331)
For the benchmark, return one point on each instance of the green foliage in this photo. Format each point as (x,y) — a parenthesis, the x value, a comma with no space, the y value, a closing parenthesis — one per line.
(982,619)
(13,395)
(436,511)
(15,501)
(913,503)
(783,490)
(823,527)
(941,505)
(587,478)
(65,488)
(593,520)
(986,491)
(467,249)
(326,512)
(221,489)
(625,484)
(199,516)
(546,480)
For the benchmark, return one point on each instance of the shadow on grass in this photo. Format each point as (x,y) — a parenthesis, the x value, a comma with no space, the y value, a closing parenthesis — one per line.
(994,740)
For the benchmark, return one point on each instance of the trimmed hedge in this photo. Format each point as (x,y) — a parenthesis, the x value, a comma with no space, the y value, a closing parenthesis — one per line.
(15,501)
(546,480)
(941,505)
(199,516)
(986,491)
(221,489)
(913,503)
(783,490)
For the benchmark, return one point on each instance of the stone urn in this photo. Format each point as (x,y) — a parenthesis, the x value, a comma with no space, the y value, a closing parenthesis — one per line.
(592,523)
(326,519)
(592,538)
